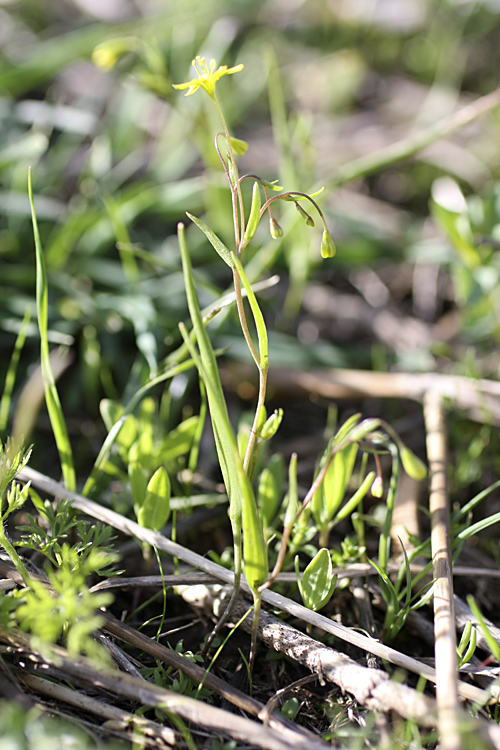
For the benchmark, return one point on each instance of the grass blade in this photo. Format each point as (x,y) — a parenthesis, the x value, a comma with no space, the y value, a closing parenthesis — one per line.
(51,395)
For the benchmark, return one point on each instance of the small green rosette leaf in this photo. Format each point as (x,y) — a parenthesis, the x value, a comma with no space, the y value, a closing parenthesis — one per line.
(138,484)
(318,582)
(155,510)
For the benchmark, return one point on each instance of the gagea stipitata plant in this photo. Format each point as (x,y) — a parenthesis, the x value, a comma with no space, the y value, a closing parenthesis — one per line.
(247,517)
(250,550)
(327,501)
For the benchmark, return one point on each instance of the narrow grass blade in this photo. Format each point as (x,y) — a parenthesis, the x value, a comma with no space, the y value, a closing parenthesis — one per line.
(129,263)
(10,377)
(242,509)
(51,395)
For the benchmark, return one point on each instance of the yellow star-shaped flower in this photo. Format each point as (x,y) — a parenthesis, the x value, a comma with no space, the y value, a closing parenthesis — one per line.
(207,76)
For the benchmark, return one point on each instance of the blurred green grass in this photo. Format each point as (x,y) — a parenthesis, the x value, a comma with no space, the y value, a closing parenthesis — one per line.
(324,83)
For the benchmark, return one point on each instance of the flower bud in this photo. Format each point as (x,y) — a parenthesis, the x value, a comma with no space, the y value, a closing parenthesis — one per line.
(327,245)
(308,219)
(275,229)
(271,425)
(107,54)
(414,467)
(377,488)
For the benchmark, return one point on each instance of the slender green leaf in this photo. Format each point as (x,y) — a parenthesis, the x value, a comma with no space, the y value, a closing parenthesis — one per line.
(215,241)
(293,495)
(10,377)
(479,526)
(355,500)
(138,484)
(493,644)
(51,394)
(242,506)
(268,497)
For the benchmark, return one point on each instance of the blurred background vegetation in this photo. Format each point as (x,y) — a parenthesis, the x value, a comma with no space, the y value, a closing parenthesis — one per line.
(118,156)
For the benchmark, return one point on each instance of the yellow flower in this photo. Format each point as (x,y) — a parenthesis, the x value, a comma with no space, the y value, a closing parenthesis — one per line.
(207,76)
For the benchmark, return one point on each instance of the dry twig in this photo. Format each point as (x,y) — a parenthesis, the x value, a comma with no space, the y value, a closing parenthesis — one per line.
(444,619)
(226,576)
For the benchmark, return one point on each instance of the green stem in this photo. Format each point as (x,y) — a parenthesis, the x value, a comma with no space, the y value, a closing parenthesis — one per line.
(257,600)
(324,535)
(385,536)
(239,230)
(11,551)
(241,314)
(252,440)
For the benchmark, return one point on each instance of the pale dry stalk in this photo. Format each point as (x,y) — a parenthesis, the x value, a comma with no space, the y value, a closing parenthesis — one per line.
(444,616)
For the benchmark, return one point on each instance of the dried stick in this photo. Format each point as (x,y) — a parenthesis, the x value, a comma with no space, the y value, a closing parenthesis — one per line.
(409,146)
(444,617)
(140,641)
(226,576)
(371,687)
(480,398)
(82,671)
(199,675)
(121,720)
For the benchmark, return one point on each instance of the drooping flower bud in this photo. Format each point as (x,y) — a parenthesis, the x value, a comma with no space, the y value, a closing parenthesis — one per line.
(377,488)
(414,467)
(308,219)
(275,229)
(327,245)
(107,54)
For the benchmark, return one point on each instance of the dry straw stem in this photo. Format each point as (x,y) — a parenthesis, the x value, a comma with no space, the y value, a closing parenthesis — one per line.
(372,688)
(444,617)
(141,642)
(116,719)
(82,672)
(282,603)
(479,398)
(415,142)
(190,577)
